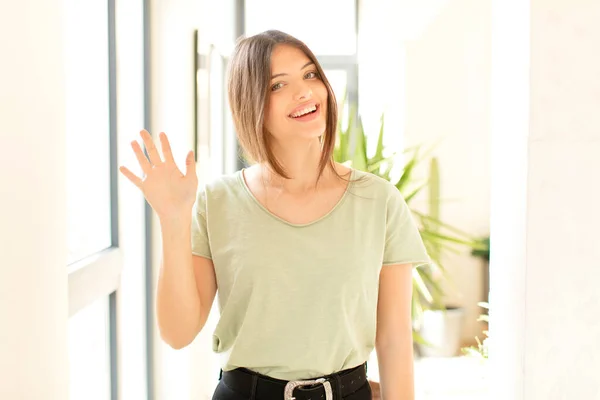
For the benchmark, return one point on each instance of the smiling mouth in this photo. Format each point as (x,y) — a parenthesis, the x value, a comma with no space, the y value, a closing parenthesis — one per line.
(307,111)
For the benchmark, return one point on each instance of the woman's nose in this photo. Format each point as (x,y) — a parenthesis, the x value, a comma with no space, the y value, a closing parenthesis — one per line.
(304,92)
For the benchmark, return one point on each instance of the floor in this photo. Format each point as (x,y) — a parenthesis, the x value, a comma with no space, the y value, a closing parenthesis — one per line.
(451,378)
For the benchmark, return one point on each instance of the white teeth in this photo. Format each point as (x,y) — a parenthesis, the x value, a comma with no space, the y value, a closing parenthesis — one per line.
(304,111)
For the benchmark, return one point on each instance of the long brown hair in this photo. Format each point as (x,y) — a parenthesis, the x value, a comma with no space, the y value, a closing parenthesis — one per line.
(248,83)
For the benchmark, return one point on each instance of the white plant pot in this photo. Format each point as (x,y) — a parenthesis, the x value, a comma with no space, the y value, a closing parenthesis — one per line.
(442,329)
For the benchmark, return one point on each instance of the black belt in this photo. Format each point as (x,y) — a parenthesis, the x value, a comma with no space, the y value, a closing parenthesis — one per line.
(343,383)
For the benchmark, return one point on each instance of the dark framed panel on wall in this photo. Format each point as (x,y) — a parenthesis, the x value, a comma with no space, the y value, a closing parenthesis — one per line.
(201,100)
(214,139)
(217,63)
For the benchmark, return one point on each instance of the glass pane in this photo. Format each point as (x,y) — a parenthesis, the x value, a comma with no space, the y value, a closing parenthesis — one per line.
(89,355)
(338,80)
(87,128)
(327,27)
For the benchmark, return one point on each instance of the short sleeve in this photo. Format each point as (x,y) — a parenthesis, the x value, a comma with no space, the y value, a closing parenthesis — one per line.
(200,241)
(403,243)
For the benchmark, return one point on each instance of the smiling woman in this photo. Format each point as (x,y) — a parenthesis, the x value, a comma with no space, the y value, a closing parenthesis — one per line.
(312,259)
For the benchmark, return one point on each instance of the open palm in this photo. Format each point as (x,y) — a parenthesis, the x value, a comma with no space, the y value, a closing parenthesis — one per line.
(170,192)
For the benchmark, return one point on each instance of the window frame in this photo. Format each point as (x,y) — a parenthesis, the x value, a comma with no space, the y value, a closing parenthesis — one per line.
(98,275)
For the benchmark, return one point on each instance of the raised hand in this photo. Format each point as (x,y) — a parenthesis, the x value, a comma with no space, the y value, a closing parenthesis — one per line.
(170,193)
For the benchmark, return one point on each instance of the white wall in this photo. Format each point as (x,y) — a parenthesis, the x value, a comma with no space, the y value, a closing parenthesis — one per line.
(427,64)
(33,273)
(546,80)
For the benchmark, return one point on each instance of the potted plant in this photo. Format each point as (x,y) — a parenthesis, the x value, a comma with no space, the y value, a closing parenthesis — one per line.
(440,324)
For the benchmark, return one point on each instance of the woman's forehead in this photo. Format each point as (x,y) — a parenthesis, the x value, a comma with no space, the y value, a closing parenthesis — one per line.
(287,57)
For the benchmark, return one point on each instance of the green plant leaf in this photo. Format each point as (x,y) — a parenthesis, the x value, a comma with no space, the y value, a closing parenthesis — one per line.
(415,192)
(374,166)
(435,290)
(421,287)
(447,238)
(359,156)
(406,176)
(444,225)
(379,149)
(417,338)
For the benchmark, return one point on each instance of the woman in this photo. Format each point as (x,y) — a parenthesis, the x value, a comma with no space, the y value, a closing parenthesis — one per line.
(313,260)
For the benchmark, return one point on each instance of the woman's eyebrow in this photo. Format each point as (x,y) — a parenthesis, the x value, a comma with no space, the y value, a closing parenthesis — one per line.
(282,74)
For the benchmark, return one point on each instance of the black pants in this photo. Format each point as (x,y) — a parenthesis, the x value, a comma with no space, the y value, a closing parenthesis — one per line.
(223,392)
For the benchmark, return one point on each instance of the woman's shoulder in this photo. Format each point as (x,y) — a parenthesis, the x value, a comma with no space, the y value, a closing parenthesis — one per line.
(369,183)
(222,182)
(220,187)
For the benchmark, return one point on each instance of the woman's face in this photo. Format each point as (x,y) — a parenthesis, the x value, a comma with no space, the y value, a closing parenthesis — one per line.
(298,97)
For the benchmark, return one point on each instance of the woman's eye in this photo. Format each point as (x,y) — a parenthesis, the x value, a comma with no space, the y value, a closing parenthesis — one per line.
(308,75)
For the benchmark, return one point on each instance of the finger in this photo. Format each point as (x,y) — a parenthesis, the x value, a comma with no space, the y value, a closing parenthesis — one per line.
(131,176)
(166,147)
(150,147)
(190,165)
(141,157)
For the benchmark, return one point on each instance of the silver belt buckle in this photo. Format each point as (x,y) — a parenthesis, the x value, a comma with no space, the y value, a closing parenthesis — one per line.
(289,388)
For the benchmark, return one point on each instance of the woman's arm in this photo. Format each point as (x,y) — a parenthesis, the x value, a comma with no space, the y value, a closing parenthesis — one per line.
(394,344)
(186,285)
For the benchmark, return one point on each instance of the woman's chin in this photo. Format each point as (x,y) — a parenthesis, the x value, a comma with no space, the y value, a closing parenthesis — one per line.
(304,134)
(310,136)
(312,132)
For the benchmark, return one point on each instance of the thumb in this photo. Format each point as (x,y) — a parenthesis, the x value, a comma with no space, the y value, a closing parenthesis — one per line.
(190,164)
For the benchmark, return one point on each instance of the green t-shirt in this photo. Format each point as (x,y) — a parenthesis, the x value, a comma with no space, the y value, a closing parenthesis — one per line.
(300,301)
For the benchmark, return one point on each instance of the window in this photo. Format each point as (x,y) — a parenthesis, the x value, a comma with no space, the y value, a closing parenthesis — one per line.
(338,79)
(89,352)
(94,259)
(327,27)
(88,163)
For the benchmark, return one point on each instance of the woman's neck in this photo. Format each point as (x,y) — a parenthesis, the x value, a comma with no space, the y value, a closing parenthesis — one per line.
(300,161)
